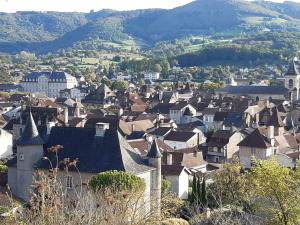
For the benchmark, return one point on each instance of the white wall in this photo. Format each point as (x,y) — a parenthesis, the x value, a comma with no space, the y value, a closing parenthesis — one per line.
(179,184)
(6,143)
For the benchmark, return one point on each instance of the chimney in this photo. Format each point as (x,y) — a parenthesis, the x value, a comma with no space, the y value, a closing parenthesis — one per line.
(169,158)
(66,116)
(271,135)
(49,126)
(101,128)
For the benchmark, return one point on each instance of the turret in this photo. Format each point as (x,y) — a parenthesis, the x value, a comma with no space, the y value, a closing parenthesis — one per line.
(29,152)
(154,159)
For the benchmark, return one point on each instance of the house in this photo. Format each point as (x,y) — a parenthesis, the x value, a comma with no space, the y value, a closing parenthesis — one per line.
(181,139)
(102,96)
(161,132)
(219,120)
(178,176)
(182,112)
(190,158)
(97,149)
(257,146)
(151,76)
(234,120)
(208,117)
(162,108)
(75,93)
(222,146)
(6,144)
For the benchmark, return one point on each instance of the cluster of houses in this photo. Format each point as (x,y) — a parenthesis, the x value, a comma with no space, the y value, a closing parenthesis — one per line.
(152,132)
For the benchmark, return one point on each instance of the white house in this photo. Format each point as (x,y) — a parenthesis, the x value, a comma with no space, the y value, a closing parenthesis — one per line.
(182,112)
(151,76)
(178,176)
(50,83)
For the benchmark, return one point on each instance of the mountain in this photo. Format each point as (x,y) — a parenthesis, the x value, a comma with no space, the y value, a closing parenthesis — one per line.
(49,31)
(38,26)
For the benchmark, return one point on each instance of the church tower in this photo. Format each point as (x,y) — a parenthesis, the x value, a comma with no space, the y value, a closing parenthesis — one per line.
(292,81)
(29,152)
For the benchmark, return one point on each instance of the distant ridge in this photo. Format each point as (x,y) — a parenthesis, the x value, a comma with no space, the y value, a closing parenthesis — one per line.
(49,31)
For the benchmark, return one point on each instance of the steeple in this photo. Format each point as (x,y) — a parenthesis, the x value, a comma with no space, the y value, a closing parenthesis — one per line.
(30,134)
(293,69)
(154,151)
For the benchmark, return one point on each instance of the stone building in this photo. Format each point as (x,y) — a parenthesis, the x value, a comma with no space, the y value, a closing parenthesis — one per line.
(97,149)
(49,83)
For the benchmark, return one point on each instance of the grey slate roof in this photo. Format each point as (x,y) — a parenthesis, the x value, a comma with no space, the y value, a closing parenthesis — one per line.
(275,119)
(53,76)
(244,90)
(95,154)
(234,119)
(154,151)
(30,134)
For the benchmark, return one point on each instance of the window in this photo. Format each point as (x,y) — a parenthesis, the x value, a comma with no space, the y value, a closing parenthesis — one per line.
(291,83)
(21,156)
(69,182)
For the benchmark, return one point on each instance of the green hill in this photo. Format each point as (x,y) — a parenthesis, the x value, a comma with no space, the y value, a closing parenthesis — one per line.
(49,31)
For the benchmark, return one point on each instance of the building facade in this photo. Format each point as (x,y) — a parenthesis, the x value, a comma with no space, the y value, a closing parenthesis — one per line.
(50,83)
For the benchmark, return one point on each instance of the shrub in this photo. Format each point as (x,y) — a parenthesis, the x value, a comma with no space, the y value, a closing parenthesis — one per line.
(165,186)
(118,180)
(3,167)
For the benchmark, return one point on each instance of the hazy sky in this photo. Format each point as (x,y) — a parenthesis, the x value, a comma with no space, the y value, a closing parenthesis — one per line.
(87,5)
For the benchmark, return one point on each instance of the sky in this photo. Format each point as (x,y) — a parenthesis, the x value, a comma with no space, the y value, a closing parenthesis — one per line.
(87,5)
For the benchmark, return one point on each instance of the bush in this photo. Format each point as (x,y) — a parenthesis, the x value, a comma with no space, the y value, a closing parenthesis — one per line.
(175,222)
(165,186)
(3,168)
(118,180)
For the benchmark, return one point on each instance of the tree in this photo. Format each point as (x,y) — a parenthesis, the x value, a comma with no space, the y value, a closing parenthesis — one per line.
(232,187)
(157,68)
(120,85)
(165,186)
(203,194)
(193,197)
(165,65)
(279,189)
(106,81)
(141,82)
(198,191)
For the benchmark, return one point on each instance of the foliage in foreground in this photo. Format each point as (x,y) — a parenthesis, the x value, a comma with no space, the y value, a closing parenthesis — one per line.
(269,194)
(122,181)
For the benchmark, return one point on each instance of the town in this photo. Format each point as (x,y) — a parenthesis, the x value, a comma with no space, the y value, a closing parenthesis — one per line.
(182,112)
(173,131)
